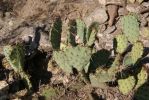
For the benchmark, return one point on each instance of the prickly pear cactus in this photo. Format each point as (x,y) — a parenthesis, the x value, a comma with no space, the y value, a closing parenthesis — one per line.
(137,51)
(101,76)
(142,78)
(80,30)
(91,34)
(130,27)
(72,33)
(127,61)
(75,57)
(95,82)
(15,56)
(126,85)
(55,36)
(122,43)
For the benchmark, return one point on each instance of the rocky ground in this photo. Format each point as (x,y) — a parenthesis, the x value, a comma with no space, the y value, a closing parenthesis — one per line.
(20,20)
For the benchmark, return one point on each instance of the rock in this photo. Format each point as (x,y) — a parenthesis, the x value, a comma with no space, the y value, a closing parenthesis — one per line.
(133,8)
(102,27)
(105,41)
(98,15)
(102,2)
(121,11)
(26,33)
(110,30)
(143,21)
(139,1)
(131,1)
(145,4)
(114,2)
(113,12)
(36,8)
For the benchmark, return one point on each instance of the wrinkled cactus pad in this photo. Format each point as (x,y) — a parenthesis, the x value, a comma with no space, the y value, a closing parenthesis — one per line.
(130,27)
(127,61)
(73,57)
(126,85)
(122,43)
(81,30)
(142,77)
(136,52)
(101,77)
(15,56)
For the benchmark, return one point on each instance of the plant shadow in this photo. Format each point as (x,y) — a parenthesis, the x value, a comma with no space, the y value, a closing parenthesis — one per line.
(99,59)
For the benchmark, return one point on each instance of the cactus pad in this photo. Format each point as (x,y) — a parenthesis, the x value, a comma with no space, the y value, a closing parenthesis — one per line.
(81,30)
(91,34)
(127,61)
(15,56)
(130,27)
(137,51)
(122,43)
(101,76)
(75,57)
(55,37)
(142,77)
(126,85)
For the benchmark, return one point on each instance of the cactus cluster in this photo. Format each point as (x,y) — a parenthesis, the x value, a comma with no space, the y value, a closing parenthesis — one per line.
(130,83)
(15,56)
(76,55)
(128,52)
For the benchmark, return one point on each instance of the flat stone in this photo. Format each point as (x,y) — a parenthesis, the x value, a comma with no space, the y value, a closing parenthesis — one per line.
(98,15)
(133,8)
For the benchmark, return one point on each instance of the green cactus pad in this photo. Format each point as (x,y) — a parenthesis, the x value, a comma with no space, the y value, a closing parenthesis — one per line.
(137,51)
(73,57)
(130,27)
(127,61)
(91,34)
(126,85)
(55,37)
(72,33)
(142,77)
(122,43)
(101,76)
(81,29)
(95,82)
(15,56)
